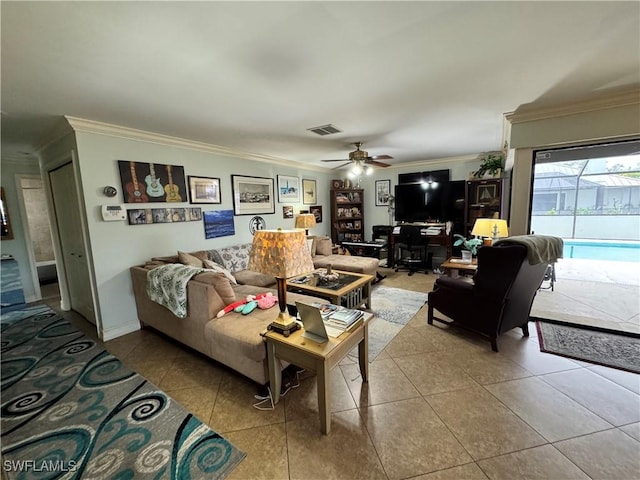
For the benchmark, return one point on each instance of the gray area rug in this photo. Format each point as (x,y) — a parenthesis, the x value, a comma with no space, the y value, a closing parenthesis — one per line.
(393,309)
(72,410)
(610,348)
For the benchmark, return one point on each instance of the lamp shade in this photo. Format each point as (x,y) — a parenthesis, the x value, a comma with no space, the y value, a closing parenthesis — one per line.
(281,253)
(490,227)
(306,220)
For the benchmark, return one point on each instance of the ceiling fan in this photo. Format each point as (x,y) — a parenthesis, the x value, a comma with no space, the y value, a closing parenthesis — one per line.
(361,158)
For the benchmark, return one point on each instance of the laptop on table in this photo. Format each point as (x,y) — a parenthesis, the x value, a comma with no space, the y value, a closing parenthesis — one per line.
(314,328)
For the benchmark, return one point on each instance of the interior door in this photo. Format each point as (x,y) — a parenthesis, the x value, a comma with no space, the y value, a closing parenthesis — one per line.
(74,257)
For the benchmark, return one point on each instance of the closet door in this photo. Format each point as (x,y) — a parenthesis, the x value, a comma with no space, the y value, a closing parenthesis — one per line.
(74,257)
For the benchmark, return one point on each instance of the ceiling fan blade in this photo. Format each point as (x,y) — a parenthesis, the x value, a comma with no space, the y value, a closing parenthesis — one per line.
(377,164)
(380,157)
(340,166)
(339,160)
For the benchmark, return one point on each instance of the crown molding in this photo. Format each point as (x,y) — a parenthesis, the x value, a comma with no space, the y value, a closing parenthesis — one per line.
(13,159)
(91,126)
(446,160)
(531,112)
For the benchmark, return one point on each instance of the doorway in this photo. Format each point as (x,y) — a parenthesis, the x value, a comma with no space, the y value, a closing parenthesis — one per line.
(590,197)
(38,236)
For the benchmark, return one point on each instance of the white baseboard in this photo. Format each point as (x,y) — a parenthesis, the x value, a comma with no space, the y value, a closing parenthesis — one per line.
(119,331)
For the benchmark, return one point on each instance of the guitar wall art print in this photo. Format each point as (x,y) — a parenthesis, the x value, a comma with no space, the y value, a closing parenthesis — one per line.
(173,191)
(154,187)
(152,182)
(135,190)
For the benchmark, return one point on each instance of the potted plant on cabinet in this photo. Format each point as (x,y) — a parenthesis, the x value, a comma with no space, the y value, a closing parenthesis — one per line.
(469,246)
(490,163)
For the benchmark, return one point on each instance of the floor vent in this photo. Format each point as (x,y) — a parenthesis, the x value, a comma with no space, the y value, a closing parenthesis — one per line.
(324,130)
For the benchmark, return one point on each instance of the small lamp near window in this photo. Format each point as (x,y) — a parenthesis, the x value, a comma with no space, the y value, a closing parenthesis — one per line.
(283,254)
(306,221)
(490,229)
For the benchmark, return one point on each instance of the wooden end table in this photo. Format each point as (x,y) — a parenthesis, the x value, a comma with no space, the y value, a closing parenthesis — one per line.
(453,266)
(317,357)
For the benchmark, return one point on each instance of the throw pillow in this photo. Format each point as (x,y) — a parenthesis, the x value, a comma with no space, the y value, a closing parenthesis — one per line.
(311,243)
(220,283)
(210,265)
(323,246)
(188,259)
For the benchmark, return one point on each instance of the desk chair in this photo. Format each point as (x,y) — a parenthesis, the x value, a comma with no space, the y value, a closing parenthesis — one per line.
(411,241)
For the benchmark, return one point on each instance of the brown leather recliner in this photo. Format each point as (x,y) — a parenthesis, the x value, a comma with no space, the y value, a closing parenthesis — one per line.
(498,299)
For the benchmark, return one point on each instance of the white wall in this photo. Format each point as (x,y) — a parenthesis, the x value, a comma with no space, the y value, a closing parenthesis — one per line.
(116,246)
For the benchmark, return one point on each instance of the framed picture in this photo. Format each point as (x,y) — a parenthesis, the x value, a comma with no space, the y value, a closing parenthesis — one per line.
(152,182)
(288,189)
(383,192)
(204,190)
(317,212)
(218,223)
(252,195)
(287,211)
(309,196)
(485,193)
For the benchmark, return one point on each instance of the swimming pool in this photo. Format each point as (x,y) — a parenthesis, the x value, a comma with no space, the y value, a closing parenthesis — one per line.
(602,250)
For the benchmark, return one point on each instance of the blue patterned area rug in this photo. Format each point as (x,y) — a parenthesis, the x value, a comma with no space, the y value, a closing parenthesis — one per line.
(70,409)
(611,348)
(393,309)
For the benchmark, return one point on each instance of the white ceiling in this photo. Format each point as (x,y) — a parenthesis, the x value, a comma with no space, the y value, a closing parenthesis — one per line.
(415,80)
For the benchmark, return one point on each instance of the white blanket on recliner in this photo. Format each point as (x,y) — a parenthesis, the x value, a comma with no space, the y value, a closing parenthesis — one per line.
(540,248)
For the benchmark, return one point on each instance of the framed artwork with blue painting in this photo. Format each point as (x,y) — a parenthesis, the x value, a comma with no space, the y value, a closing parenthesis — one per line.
(218,223)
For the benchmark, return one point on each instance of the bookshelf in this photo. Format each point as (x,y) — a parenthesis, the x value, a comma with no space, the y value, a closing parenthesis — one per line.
(347,215)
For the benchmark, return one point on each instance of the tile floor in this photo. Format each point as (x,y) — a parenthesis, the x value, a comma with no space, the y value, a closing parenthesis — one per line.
(439,405)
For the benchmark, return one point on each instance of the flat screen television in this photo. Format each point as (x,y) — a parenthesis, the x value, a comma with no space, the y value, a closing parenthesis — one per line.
(422,202)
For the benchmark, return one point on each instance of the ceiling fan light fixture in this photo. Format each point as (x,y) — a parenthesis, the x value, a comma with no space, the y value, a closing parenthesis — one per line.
(357,169)
(368,170)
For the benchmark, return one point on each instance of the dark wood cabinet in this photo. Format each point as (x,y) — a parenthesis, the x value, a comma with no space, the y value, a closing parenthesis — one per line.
(483,199)
(347,215)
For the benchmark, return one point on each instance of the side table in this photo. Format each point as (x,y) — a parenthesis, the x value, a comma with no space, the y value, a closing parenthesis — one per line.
(453,266)
(318,357)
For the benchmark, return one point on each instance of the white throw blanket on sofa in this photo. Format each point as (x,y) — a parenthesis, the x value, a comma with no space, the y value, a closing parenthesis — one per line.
(167,285)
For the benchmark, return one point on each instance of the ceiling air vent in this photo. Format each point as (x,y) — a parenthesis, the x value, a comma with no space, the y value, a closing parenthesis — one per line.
(324,130)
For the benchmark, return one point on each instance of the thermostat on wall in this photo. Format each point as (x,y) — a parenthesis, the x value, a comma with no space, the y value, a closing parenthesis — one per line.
(113,213)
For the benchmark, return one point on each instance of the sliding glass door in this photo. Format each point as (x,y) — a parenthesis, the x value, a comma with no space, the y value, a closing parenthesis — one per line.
(590,196)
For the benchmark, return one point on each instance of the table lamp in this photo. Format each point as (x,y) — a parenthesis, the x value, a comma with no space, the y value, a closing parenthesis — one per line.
(283,254)
(490,229)
(306,221)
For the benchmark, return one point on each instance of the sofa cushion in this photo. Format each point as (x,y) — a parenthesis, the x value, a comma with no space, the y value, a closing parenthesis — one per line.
(347,263)
(192,259)
(311,243)
(169,259)
(323,246)
(220,283)
(211,265)
(234,258)
(249,277)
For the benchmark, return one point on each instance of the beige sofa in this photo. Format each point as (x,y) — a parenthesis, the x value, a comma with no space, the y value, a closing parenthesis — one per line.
(321,251)
(234,339)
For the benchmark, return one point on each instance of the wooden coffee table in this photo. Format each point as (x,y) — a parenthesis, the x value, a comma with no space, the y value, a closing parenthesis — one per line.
(317,357)
(352,291)
(453,266)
